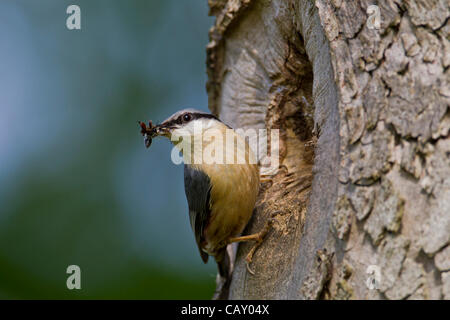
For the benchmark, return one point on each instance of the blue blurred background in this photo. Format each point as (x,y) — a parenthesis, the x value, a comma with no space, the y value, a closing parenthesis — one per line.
(77,185)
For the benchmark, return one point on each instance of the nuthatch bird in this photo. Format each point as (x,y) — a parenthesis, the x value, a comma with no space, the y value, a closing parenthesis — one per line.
(221,196)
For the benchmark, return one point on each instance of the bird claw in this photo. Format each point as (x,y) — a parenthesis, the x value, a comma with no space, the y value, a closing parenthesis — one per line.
(258,238)
(247,264)
(261,235)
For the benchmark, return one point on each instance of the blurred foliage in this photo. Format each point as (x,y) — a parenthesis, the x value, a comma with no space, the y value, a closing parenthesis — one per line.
(77,185)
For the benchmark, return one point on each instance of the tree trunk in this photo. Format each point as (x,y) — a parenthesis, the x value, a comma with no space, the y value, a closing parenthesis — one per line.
(361,203)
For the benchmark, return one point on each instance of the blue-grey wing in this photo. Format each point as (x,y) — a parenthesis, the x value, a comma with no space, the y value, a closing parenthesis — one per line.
(197,187)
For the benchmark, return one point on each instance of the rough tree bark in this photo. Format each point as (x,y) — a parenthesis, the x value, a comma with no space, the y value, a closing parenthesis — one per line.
(365,149)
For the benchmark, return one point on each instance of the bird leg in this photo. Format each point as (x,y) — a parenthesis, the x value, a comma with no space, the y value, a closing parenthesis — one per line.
(258,238)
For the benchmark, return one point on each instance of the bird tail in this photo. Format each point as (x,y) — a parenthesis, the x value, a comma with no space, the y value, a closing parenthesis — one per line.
(224,265)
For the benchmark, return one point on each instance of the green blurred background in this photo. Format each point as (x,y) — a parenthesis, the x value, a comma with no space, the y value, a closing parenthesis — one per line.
(77,185)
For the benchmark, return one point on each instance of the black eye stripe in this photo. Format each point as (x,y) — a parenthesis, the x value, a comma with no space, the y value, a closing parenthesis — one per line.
(194,116)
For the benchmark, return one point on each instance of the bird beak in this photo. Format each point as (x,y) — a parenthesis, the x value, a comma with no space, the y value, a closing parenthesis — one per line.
(162,130)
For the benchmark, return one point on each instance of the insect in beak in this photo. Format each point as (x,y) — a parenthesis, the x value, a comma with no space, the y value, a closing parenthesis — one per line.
(152,131)
(148,132)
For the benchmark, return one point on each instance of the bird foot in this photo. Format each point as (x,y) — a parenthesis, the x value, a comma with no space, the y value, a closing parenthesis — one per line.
(258,238)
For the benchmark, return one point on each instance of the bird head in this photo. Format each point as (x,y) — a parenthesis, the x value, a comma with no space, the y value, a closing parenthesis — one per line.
(184,123)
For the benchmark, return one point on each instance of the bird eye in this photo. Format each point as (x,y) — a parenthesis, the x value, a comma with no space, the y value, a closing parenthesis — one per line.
(186,117)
